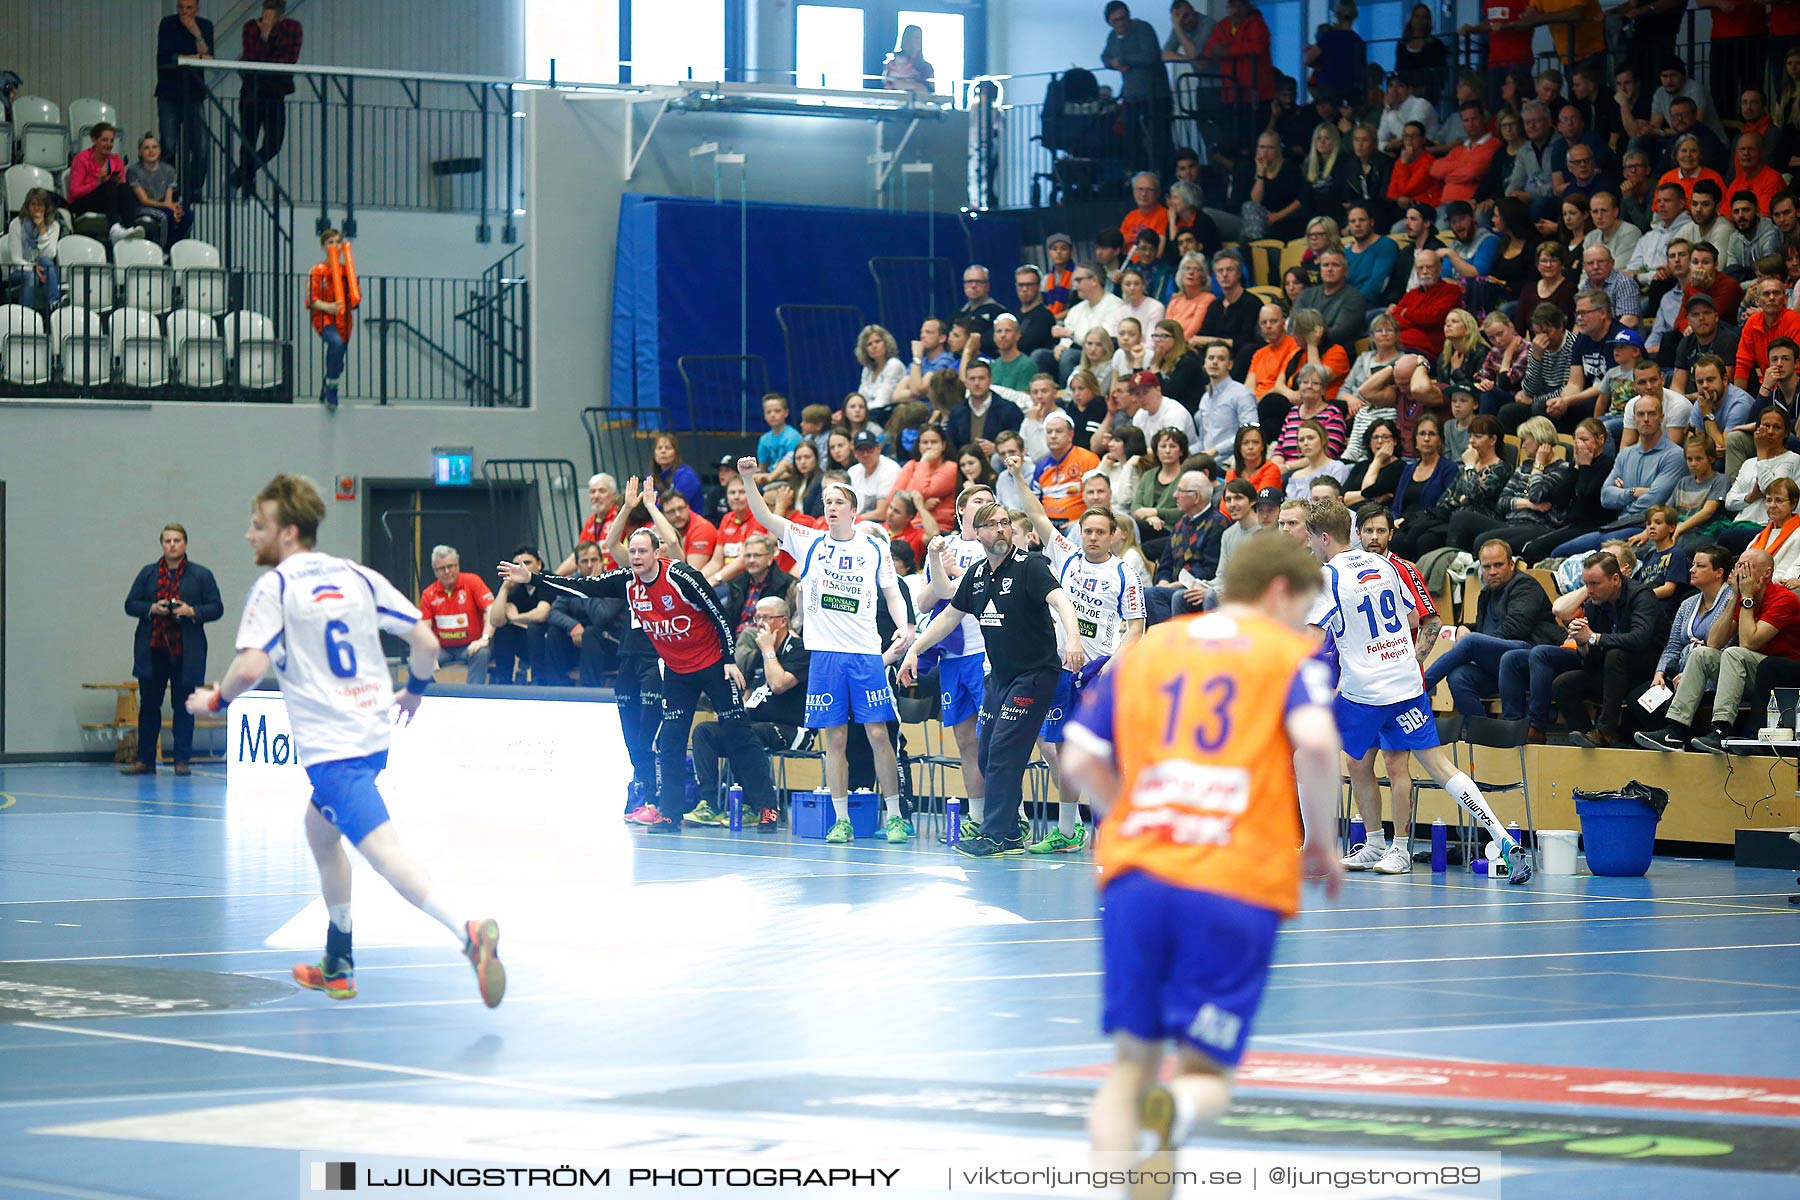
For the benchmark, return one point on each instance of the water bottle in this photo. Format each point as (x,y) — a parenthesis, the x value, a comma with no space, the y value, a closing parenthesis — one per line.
(953,808)
(736,808)
(1358,834)
(1440,846)
(1514,833)
(1774,714)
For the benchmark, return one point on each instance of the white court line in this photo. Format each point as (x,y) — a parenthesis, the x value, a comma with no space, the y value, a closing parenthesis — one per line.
(1736,983)
(1396,962)
(1417,1031)
(1318,1041)
(52,1189)
(181,896)
(359,1064)
(832,1061)
(107,812)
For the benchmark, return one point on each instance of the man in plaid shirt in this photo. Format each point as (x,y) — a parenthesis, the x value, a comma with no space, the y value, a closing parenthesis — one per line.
(262,98)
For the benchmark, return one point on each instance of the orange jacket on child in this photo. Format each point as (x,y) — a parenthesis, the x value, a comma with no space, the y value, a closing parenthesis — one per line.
(334,281)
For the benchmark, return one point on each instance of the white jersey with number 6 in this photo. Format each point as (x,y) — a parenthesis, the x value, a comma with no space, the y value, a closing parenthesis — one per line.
(1364,608)
(319,619)
(1106,594)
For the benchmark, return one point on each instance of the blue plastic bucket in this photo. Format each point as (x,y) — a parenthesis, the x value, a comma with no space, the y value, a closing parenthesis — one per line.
(1620,836)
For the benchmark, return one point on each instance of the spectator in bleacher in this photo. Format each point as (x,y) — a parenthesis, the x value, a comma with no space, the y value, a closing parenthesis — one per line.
(152,181)
(1293,282)
(1056,477)
(1226,406)
(1085,403)
(1010,371)
(1344,308)
(1369,258)
(1133,50)
(1720,407)
(905,69)
(853,417)
(1133,353)
(1401,108)
(840,454)
(1421,310)
(1620,289)
(1363,176)
(1753,174)
(879,356)
(773,447)
(1610,231)
(332,294)
(1153,500)
(1770,460)
(1761,237)
(1572,170)
(932,474)
(1146,192)
(1190,554)
(1375,474)
(1043,401)
(97,184)
(1511,613)
(1097,309)
(804,474)
(1771,320)
(1034,319)
(1187,214)
(1192,299)
(172,598)
(274,37)
(456,604)
(1706,223)
(1183,377)
(1644,474)
(1337,55)
(1134,291)
(874,475)
(1311,462)
(1616,639)
(1273,209)
(1475,490)
(31,242)
(736,527)
(1576,225)
(1763,618)
(1703,278)
(699,537)
(1460,171)
(980,306)
(1637,192)
(1649,258)
(1411,180)
(181,93)
(1322,168)
(10,83)
(673,475)
(1267,362)
(758,579)
(1240,46)
(1687,170)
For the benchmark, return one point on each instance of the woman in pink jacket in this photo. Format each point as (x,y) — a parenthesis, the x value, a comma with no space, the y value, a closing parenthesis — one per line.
(97,184)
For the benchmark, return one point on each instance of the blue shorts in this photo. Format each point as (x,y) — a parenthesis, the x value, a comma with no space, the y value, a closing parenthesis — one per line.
(1404,725)
(1069,686)
(960,680)
(345,794)
(1182,963)
(842,686)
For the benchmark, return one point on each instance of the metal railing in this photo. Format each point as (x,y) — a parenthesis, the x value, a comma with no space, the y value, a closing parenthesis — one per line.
(553,500)
(620,439)
(723,390)
(815,338)
(907,290)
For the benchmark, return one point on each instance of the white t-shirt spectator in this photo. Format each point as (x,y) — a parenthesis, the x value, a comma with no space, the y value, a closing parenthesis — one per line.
(878,387)
(1170,416)
(872,488)
(1678,411)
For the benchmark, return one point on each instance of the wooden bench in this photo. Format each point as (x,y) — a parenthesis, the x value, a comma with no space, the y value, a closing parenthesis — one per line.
(124,725)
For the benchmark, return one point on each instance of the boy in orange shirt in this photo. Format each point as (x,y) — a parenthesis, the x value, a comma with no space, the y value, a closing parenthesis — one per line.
(331,293)
(1204,741)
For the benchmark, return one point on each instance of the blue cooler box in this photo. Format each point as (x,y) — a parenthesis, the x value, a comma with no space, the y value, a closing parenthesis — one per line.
(812,814)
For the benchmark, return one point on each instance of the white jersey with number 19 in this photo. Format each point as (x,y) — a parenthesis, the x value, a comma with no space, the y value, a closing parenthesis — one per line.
(319,619)
(1364,608)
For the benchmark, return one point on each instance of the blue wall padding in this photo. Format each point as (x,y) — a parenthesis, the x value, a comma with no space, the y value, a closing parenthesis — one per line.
(676,286)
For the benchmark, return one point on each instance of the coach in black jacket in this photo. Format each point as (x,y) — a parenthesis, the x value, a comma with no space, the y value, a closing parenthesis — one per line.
(1512,613)
(172,599)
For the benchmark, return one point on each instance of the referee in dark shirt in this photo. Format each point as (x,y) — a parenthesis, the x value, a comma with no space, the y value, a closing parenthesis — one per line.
(1012,594)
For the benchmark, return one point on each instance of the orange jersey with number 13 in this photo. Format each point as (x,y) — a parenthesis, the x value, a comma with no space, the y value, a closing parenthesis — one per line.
(1199,732)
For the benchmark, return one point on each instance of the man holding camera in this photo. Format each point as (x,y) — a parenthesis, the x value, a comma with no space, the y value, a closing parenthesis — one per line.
(172,598)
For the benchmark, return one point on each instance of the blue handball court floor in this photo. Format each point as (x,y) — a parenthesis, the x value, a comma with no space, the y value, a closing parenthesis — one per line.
(756,999)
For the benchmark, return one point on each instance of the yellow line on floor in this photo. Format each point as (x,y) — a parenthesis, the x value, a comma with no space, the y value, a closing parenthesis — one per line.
(111,800)
(7,800)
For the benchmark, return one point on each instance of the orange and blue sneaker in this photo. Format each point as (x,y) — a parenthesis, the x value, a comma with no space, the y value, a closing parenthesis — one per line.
(480,950)
(336,979)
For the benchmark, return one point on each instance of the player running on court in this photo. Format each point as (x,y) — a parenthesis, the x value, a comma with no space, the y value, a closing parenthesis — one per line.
(1194,742)
(320,619)
(843,573)
(1109,606)
(962,657)
(1369,614)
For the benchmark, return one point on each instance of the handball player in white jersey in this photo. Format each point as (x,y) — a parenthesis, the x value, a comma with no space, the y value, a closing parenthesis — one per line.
(318,618)
(1109,604)
(961,657)
(1369,614)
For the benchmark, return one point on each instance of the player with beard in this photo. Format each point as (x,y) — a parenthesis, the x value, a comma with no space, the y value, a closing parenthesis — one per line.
(962,657)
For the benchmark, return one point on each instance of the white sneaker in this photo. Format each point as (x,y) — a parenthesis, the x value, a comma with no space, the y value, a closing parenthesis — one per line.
(1395,862)
(1364,857)
(120,233)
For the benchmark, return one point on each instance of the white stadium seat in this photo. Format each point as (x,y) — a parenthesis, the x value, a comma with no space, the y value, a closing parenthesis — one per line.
(254,349)
(138,344)
(196,266)
(20,180)
(146,279)
(43,138)
(78,342)
(24,347)
(196,348)
(87,277)
(86,113)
